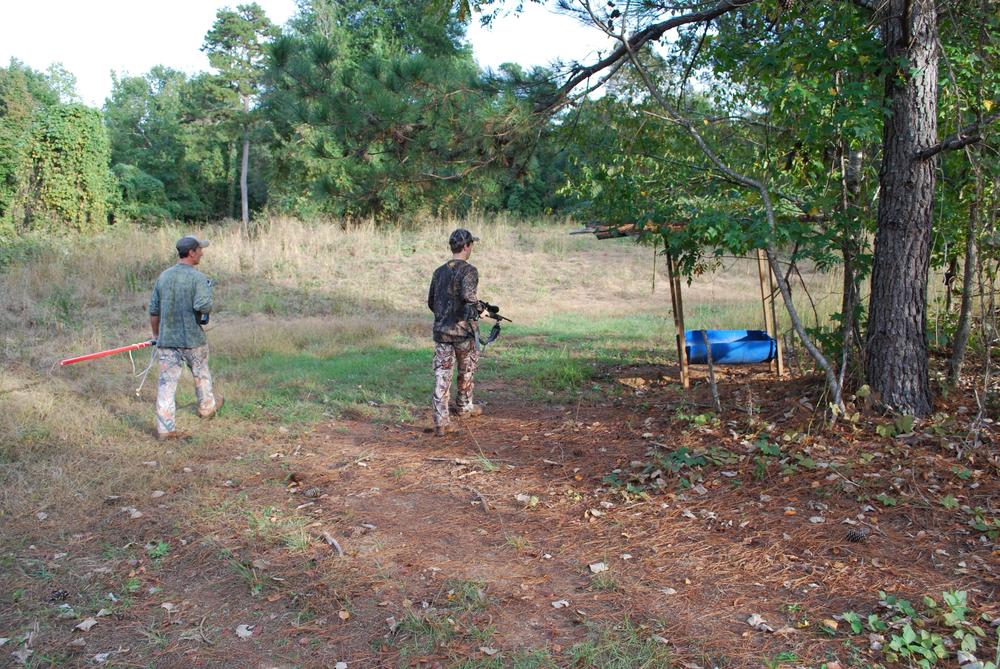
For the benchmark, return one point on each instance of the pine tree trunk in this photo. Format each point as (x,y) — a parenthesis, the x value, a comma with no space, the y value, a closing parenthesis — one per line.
(896,347)
(243,183)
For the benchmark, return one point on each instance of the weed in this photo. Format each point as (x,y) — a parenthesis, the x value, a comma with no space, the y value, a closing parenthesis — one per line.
(419,635)
(247,572)
(623,646)
(486,464)
(517,542)
(785,657)
(157,550)
(466,595)
(398,473)
(603,582)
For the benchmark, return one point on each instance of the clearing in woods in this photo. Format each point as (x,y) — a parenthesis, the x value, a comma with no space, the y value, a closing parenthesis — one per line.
(596,515)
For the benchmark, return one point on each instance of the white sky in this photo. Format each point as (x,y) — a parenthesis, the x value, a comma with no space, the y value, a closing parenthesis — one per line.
(91,39)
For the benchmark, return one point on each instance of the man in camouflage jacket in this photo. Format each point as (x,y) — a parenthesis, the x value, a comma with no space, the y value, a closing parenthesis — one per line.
(181,298)
(452,298)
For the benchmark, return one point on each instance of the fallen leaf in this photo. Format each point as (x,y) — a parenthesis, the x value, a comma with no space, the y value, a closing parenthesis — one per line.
(86,625)
(598,567)
(103,612)
(344,615)
(157,493)
(244,631)
(340,665)
(169,606)
(3,640)
(817,519)
(101,658)
(559,604)
(757,622)
(22,655)
(668,591)
(41,515)
(659,639)
(488,651)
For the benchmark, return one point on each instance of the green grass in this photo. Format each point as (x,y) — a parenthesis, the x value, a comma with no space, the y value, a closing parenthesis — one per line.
(557,358)
(306,388)
(622,646)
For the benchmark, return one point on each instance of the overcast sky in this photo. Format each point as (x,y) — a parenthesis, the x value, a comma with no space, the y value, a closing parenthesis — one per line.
(91,39)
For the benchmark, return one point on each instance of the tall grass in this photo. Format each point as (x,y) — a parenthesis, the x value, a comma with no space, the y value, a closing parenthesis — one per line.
(313,320)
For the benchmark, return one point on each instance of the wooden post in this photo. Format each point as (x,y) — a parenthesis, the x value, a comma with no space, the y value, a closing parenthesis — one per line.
(678,307)
(774,324)
(711,372)
(767,303)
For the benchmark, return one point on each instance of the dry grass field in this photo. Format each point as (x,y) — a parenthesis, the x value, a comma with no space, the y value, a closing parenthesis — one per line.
(596,516)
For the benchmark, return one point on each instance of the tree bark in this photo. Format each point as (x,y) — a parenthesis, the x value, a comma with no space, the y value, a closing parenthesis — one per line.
(896,348)
(244,200)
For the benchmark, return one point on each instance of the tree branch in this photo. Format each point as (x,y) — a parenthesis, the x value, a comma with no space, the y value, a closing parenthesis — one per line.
(967,135)
(647,34)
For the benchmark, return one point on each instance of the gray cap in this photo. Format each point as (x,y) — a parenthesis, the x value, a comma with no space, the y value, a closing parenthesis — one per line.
(190,243)
(461,237)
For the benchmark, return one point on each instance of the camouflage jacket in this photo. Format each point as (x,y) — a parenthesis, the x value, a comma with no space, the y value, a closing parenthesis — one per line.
(453,288)
(179,292)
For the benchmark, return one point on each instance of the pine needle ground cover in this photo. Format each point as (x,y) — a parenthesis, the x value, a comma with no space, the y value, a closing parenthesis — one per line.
(596,515)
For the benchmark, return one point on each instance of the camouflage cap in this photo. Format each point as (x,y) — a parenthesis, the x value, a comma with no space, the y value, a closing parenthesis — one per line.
(461,237)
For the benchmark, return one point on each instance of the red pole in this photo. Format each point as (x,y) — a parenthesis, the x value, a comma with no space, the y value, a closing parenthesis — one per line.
(101,354)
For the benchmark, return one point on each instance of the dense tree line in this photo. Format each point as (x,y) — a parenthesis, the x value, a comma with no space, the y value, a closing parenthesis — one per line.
(352,109)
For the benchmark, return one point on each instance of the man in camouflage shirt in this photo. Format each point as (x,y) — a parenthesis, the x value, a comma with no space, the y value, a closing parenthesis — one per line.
(452,298)
(181,298)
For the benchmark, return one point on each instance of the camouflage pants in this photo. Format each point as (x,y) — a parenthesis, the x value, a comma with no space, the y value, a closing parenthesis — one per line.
(445,356)
(172,361)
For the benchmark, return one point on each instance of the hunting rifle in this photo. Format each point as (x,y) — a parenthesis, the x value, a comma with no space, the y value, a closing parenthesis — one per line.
(486,310)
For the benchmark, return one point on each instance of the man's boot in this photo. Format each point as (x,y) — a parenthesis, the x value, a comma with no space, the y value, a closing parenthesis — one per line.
(219,401)
(441,430)
(471,411)
(172,436)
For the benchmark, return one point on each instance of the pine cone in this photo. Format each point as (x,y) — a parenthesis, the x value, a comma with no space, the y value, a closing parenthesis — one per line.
(857,535)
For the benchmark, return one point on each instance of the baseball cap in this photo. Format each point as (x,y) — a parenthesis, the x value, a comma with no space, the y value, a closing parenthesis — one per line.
(461,237)
(189,243)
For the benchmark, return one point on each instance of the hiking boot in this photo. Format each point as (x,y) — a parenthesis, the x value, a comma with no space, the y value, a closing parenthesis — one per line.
(219,401)
(471,412)
(172,436)
(441,430)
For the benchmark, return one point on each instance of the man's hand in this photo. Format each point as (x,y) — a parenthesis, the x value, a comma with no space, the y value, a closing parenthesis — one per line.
(154,325)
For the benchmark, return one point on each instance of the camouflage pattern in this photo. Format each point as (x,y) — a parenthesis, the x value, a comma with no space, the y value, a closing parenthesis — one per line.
(452,293)
(172,361)
(179,292)
(445,356)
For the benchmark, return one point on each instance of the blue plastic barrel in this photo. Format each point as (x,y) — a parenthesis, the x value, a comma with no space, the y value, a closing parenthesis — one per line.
(730,347)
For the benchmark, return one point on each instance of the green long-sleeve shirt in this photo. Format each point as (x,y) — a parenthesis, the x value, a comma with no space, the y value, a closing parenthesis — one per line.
(179,292)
